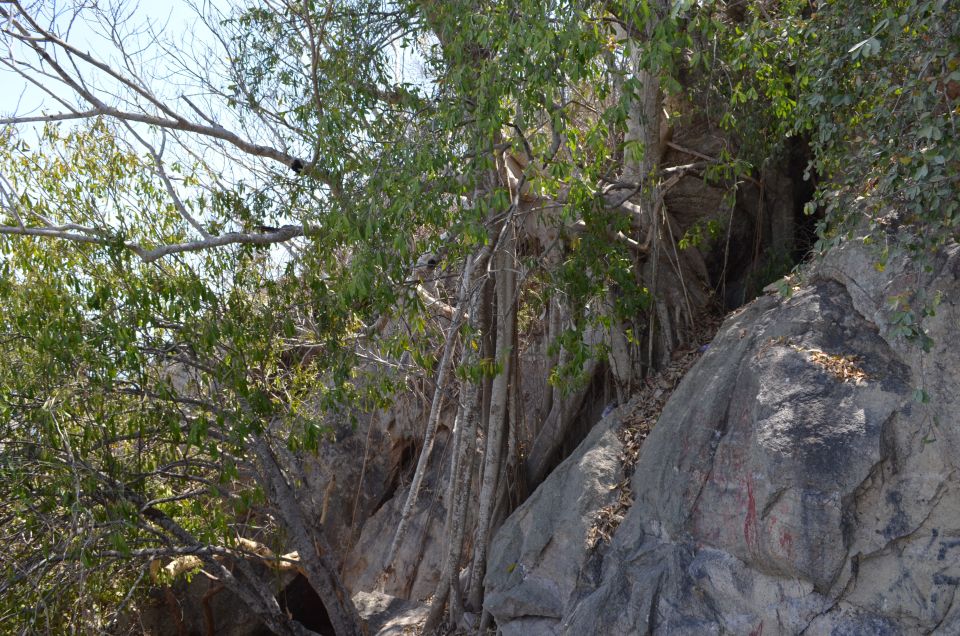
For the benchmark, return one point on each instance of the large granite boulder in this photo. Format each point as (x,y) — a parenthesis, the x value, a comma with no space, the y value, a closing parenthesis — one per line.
(536,555)
(801,479)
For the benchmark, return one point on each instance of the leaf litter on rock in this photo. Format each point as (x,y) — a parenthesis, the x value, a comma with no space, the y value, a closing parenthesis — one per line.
(638,417)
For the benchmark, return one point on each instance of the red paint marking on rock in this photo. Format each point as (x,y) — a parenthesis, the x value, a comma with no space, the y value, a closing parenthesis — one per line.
(750,521)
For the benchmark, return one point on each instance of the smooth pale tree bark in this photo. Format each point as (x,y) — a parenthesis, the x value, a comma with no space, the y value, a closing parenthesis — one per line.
(505,271)
(433,420)
(458,491)
(643,150)
(556,425)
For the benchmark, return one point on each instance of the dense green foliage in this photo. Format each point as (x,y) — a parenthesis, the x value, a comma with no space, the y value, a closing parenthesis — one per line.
(874,86)
(881,105)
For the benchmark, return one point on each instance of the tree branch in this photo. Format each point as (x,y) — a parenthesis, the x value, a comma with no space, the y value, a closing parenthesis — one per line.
(279,235)
(167,119)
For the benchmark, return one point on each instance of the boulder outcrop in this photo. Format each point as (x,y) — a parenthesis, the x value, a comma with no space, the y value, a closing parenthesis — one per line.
(801,479)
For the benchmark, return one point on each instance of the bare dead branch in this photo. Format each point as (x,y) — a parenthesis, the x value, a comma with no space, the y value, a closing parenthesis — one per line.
(35,37)
(279,235)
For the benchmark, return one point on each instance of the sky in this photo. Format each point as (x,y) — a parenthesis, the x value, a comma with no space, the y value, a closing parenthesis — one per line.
(173,18)
(178,29)
(176,20)
(169,48)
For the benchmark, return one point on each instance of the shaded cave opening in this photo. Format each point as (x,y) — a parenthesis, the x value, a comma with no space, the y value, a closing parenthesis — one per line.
(403,454)
(302,604)
(770,230)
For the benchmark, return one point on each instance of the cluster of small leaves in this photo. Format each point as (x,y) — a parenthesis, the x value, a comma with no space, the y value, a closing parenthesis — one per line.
(743,74)
(874,87)
(905,319)
(83,449)
(882,107)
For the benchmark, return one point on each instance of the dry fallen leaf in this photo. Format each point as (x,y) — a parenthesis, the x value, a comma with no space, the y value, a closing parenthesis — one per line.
(638,419)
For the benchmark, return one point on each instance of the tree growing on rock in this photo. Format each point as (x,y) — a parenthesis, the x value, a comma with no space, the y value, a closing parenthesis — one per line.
(213,248)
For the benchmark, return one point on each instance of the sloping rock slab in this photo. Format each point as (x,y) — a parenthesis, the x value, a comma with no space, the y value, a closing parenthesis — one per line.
(536,555)
(793,484)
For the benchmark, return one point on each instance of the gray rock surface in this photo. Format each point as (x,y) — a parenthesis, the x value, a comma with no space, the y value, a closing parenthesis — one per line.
(388,615)
(537,553)
(419,554)
(390,468)
(778,493)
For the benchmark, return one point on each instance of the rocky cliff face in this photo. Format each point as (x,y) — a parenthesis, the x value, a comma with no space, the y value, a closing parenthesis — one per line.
(801,479)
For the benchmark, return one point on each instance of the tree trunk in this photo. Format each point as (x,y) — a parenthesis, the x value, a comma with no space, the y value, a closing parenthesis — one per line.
(644,108)
(434,418)
(499,395)
(458,496)
(316,556)
(555,427)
